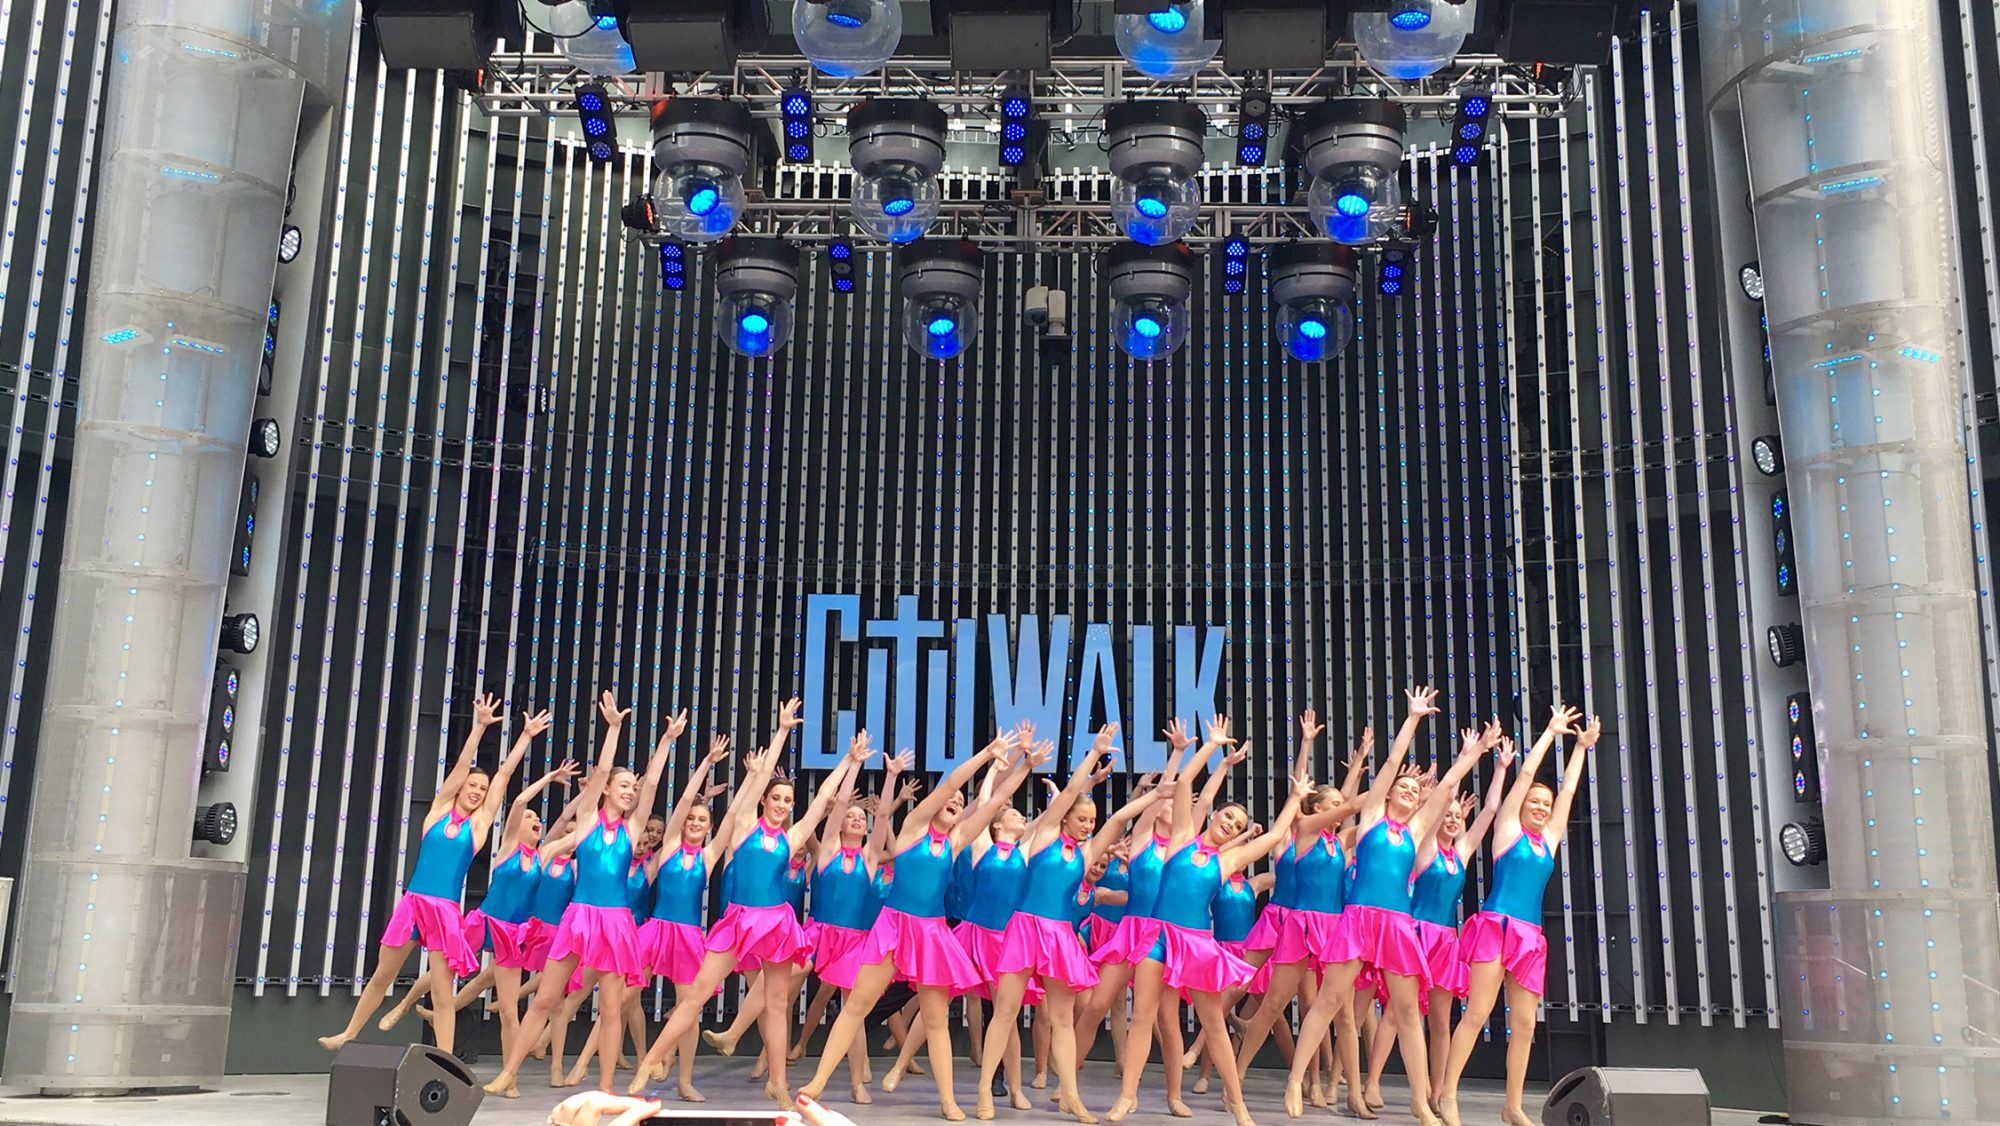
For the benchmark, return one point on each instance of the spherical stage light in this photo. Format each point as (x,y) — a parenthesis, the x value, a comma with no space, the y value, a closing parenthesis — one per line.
(846,38)
(1353,150)
(1413,38)
(755,281)
(701,147)
(1312,287)
(896,146)
(1166,44)
(1154,150)
(1149,287)
(940,281)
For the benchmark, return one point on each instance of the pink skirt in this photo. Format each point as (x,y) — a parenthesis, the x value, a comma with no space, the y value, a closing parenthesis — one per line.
(536,937)
(1443,968)
(830,947)
(437,924)
(1385,940)
(1101,929)
(498,935)
(673,950)
(1322,936)
(922,949)
(1046,950)
(757,935)
(1197,963)
(982,945)
(1264,935)
(1131,940)
(1520,948)
(599,938)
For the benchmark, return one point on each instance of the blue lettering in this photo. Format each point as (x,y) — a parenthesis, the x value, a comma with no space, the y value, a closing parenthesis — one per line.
(1097,666)
(815,751)
(1032,690)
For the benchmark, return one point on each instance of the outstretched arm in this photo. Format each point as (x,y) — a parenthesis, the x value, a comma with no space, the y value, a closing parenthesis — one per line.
(1218,736)
(485,713)
(692,791)
(1088,773)
(496,792)
(1507,825)
(920,818)
(1423,703)
(893,794)
(1475,834)
(518,810)
(1357,764)
(600,775)
(656,766)
(742,806)
(1572,779)
(761,767)
(980,817)
(805,828)
(1212,789)
(1473,745)
(1237,857)
(1110,834)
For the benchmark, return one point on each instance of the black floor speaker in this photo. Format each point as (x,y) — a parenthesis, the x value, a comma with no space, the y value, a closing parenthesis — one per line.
(1628,1096)
(399,1085)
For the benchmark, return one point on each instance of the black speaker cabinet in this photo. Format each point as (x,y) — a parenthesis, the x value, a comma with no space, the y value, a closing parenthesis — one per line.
(1627,1096)
(399,1085)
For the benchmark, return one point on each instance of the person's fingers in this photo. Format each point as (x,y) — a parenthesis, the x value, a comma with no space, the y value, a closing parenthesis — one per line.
(644,1110)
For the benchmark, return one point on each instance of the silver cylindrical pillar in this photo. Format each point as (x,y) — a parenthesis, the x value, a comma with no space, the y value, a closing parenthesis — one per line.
(1889,977)
(126,944)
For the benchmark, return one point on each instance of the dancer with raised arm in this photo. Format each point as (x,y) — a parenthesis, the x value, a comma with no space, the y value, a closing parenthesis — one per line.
(455,828)
(1186,957)
(1377,928)
(1435,896)
(1504,941)
(1039,948)
(909,940)
(596,932)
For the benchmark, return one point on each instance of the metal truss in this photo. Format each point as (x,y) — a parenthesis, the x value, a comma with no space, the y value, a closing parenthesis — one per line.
(1024,225)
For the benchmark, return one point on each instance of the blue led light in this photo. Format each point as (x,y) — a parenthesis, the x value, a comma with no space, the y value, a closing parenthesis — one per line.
(670,251)
(1465,154)
(607,23)
(1351,204)
(1476,106)
(675,282)
(1148,326)
(590,101)
(703,200)
(1014,131)
(121,336)
(1853,185)
(797,130)
(596,126)
(1012,154)
(1169,22)
(1312,328)
(1392,269)
(1151,206)
(797,152)
(600,150)
(230,683)
(840,252)
(1778,505)
(1784,577)
(1411,19)
(1471,131)
(1253,131)
(1234,268)
(1232,285)
(1014,107)
(844,19)
(1392,286)
(843,285)
(798,103)
(754,322)
(941,324)
(1250,154)
(1792,710)
(898,205)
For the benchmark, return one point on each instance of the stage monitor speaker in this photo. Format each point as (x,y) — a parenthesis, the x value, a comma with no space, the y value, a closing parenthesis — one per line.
(1559,32)
(399,1085)
(1628,1096)
(433,34)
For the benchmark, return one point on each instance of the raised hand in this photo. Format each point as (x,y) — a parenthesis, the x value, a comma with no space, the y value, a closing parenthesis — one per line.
(1301,779)
(677,725)
(1587,738)
(858,749)
(718,751)
(1310,728)
(1049,784)
(607,707)
(1367,741)
(1218,732)
(1507,752)
(486,710)
(1101,775)
(1423,702)
(715,791)
(903,761)
(1101,745)
(908,791)
(1176,733)
(1469,740)
(1040,754)
(788,714)
(1002,742)
(565,774)
(534,723)
(1237,754)
(1147,782)
(1563,719)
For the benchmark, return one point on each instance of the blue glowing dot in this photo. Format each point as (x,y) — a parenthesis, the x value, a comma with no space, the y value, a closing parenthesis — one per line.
(1476,106)
(703,200)
(590,101)
(1169,22)
(1147,326)
(941,325)
(1392,269)
(1312,328)
(1253,130)
(1250,154)
(1465,154)
(607,23)
(1232,285)
(600,151)
(1013,131)
(798,153)
(898,205)
(840,252)
(798,105)
(1351,204)
(1411,19)
(1234,267)
(1778,505)
(1014,107)
(670,251)
(1391,286)
(1012,154)
(754,322)
(675,282)
(596,126)
(797,130)
(844,19)
(1151,206)
(843,285)
(1471,131)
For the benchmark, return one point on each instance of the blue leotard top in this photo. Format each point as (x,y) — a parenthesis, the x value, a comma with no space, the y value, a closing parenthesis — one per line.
(639,890)
(680,892)
(1081,905)
(1188,884)
(1053,877)
(1117,877)
(1319,877)
(1144,889)
(1284,876)
(923,872)
(1520,879)
(961,885)
(758,867)
(999,880)
(1438,890)
(878,891)
(554,890)
(798,877)
(1383,858)
(842,892)
(1235,909)
(510,890)
(602,866)
(443,858)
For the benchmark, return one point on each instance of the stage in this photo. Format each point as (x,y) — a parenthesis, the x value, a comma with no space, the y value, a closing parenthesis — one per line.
(300,1100)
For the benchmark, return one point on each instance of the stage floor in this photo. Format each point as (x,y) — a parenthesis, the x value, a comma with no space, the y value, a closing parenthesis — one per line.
(300,1100)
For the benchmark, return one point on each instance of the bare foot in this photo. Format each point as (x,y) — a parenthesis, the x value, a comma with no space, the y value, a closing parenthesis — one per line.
(1374,1097)
(1178,1108)
(690,1095)
(860,1096)
(1120,1109)
(948,1110)
(1295,1101)
(1242,1113)
(503,1085)
(1447,1108)
(1020,1099)
(1041,1081)
(1201,1084)
(717,1041)
(334,1043)
(983,1108)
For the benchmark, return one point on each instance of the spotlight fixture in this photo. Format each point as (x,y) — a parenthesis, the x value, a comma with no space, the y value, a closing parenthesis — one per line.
(221,718)
(266,438)
(1805,747)
(1149,296)
(1786,643)
(593,115)
(1468,124)
(1392,272)
(1155,152)
(673,265)
(1166,43)
(1253,127)
(246,527)
(640,215)
(756,279)
(1353,150)
(1751,277)
(940,280)
(216,824)
(1419,221)
(290,242)
(701,147)
(896,146)
(1768,454)
(1785,557)
(796,105)
(239,633)
(1409,39)
(840,265)
(1803,842)
(267,364)
(1022,131)
(1235,264)
(1312,285)
(847,38)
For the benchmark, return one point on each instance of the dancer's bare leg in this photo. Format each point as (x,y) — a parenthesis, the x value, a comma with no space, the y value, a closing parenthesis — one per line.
(417,992)
(1038,1039)
(1147,989)
(747,1015)
(1486,979)
(1334,991)
(781,990)
(815,1013)
(572,1002)
(936,1005)
(1007,993)
(388,963)
(685,1049)
(1285,983)
(1106,998)
(857,1071)
(869,985)
(532,1024)
(1214,1015)
(688,1003)
(444,1029)
(507,986)
(905,1056)
(1172,1049)
(1523,1009)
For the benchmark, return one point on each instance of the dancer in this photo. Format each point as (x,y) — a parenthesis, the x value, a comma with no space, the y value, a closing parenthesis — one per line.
(909,940)
(1235,911)
(1377,928)
(596,931)
(1185,957)
(1434,900)
(759,926)
(456,827)
(1039,948)
(844,906)
(1504,941)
